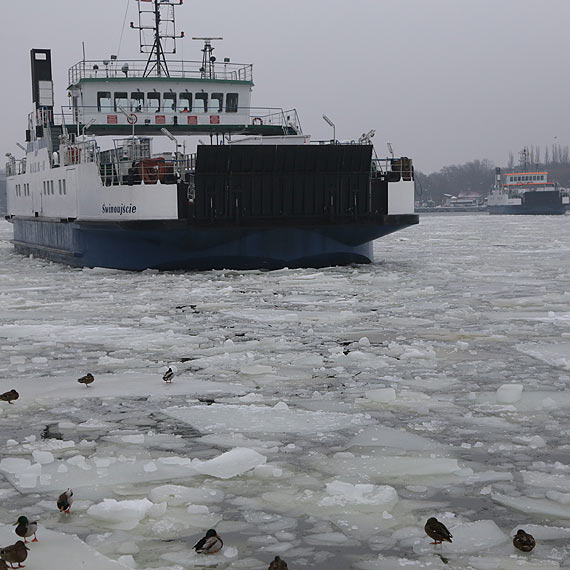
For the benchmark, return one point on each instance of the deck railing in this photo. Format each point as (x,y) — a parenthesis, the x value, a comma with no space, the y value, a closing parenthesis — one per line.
(115,69)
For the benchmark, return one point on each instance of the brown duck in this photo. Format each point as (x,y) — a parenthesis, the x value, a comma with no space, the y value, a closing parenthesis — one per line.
(15,554)
(438,531)
(524,541)
(278,564)
(87,379)
(9,396)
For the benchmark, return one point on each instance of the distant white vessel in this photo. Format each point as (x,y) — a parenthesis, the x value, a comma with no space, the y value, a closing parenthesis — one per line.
(526,192)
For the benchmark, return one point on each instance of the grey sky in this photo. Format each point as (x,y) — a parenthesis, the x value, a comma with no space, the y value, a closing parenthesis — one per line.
(445,81)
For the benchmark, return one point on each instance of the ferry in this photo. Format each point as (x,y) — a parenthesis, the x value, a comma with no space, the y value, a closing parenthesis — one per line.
(257,193)
(526,192)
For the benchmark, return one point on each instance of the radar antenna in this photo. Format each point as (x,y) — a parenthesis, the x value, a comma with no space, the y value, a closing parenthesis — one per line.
(157,33)
(207,71)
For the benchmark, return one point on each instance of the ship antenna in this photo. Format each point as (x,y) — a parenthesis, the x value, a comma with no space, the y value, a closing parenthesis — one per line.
(207,71)
(157,33)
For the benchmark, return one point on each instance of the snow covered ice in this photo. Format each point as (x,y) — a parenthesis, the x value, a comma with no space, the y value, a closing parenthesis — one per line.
(318,415)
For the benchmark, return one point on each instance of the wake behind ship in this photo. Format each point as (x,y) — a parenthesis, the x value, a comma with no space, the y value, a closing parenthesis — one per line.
(260,195)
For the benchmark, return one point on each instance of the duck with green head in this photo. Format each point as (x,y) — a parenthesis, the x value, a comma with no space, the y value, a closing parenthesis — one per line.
(25,528)
(209,544)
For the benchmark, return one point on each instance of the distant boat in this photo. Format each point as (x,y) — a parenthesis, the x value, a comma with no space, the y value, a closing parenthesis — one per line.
(526,192)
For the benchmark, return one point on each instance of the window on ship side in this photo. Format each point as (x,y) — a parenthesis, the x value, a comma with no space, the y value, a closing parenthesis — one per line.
(232,102)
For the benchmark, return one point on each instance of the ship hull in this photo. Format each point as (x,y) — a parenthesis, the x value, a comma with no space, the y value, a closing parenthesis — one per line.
(521,210)
(533,203)
(137,246)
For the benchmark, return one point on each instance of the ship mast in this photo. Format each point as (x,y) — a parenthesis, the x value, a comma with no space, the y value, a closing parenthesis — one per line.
(157,33)
(523,159)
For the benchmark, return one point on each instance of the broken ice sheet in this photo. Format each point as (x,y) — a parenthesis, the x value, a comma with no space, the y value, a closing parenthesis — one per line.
(263,419)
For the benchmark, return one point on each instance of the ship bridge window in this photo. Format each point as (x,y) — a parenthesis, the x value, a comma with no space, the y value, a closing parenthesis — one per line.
(185,102)
(153,102)
(219,107)
(104,102)
(169,101)
(137,102)
(231,103)
(121,100)
(201,102)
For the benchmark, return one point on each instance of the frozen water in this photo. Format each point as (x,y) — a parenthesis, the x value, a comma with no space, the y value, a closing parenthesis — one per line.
(319,415)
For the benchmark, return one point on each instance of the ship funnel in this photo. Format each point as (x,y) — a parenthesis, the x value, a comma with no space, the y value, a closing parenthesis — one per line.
(42,84)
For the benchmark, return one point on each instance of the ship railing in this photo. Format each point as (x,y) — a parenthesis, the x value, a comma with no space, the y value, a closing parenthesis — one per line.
(79,152)
(116,168)
(287,119)
(393,169)
(125,69)
(15,166)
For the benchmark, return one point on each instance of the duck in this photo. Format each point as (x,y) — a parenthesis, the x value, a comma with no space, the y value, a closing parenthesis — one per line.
(278,564)
(87,379)
(524,541)
(26,528)
(209,544)
(64,501)
(9,396)
(15,553)
(168,376)
(438,531)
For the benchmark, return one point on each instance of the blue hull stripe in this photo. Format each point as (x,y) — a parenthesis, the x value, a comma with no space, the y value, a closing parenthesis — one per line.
(119,247)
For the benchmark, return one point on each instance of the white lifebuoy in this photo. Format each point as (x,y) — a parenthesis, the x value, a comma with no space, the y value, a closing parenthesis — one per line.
(132,119)
(257,121)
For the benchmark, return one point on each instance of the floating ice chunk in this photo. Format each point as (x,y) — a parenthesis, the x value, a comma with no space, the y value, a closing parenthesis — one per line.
(265,419)
(541,532)
(121,515)
(312,360)
(281,406)
(364,341)
(268,471)
(56,550)
(231,463)
(512,562)
(11,443)
(534,441)
(509,393)
(136,438)
(381,395)
(198,509)
(43,457)
(536,479)
(326,539)
(381,436)
(469,537)
(341,493)
(127,560)
(534,506)
(177,495)
(377,467)
(255,369)
(14,465)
